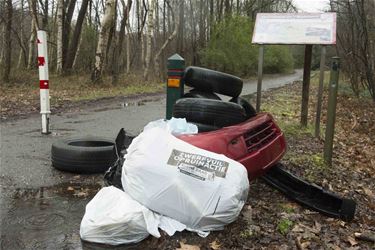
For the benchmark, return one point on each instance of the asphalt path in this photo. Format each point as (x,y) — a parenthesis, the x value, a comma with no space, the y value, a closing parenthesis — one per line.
(26,173)
(25,153)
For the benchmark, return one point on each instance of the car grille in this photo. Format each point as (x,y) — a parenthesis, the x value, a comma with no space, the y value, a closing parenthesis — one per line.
(260,136)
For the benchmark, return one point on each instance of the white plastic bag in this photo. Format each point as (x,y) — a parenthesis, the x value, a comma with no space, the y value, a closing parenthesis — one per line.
(113,217)
(176,126)
(198,188)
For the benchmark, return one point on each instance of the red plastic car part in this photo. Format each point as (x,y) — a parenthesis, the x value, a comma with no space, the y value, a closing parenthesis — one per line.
(257,143)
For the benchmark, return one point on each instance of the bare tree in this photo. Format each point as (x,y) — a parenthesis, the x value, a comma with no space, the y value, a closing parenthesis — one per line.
(71,54)
(2,26)
(8,41)
(118,48)
(356,38)
(180,34)
(60,27)
(101,55)
(128,48)
(150,29)
(166,42)
(34,28)
(22,55)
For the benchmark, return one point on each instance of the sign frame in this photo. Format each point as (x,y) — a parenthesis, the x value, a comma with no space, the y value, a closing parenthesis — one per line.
(297,16)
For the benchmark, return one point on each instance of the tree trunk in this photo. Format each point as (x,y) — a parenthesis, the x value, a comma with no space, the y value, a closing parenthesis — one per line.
(100,56)
(2,37)
(150,28)
(142,40)
(165,44)
(128,49)
(74,66)
(30,57)
(44,7)
(120,40)
(66,31)
(60,26)
(76,35)
(8,41)
(34,28)
(22,55)
(180,36)
(228,8)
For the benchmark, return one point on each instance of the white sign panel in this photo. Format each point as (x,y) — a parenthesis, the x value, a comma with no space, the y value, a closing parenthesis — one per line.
(295,28)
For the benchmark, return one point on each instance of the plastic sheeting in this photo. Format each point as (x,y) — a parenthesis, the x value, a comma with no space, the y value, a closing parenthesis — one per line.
(198,188)
(175,126)
(113,217)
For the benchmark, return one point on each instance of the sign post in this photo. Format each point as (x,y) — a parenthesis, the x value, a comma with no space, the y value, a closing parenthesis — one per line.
(295,28)
(260,77)
(43,80)
(306,84)
(331,110)
(175,85)
(320,92)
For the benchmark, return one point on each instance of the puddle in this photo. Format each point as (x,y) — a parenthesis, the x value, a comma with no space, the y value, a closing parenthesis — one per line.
(105,109)
(140,102)
(44,218)
(133,104)
(50,217)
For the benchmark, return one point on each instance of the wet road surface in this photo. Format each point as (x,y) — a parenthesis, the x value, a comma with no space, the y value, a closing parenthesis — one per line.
(40,207)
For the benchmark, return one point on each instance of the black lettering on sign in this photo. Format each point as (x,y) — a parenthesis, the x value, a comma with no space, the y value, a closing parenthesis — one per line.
(202,166)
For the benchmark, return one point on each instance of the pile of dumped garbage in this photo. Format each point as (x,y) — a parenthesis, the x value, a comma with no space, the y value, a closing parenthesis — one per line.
(172,178)
(168,184)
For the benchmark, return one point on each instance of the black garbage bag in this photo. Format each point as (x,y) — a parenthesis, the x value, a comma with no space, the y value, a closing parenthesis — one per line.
(113,175)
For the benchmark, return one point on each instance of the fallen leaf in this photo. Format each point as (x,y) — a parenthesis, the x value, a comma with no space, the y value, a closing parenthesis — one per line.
(81,194)
(298,243)
(70,189)
(215,245)
(305,244)
(352,241)
(298,229)
(184,246)
(368,192)
(318,226)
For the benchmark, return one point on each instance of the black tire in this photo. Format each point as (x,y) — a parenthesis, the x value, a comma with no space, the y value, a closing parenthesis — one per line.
(86,155)
(205,127)
(249,109)
(194,93)
(209,112)
(212,81)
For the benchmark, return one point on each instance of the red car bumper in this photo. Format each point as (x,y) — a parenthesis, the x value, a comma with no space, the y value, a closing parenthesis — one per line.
(257,143)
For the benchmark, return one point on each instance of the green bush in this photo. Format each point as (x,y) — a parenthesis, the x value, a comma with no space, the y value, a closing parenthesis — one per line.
(278,59)
(230,50)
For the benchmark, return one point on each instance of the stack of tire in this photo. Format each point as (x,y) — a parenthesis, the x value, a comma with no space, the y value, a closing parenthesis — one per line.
(203,107)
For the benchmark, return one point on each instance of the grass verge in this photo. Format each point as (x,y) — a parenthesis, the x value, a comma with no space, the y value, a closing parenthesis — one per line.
(21,96)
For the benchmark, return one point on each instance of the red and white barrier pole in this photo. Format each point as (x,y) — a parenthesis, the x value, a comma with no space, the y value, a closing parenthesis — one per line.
(43,80)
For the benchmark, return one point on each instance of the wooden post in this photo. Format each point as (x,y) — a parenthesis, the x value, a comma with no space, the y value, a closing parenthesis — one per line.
(306,84)
(320,91)
(260,76)
(331,110)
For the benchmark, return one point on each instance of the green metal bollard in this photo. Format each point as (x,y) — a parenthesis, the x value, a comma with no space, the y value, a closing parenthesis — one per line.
(331,110)
(175,85)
